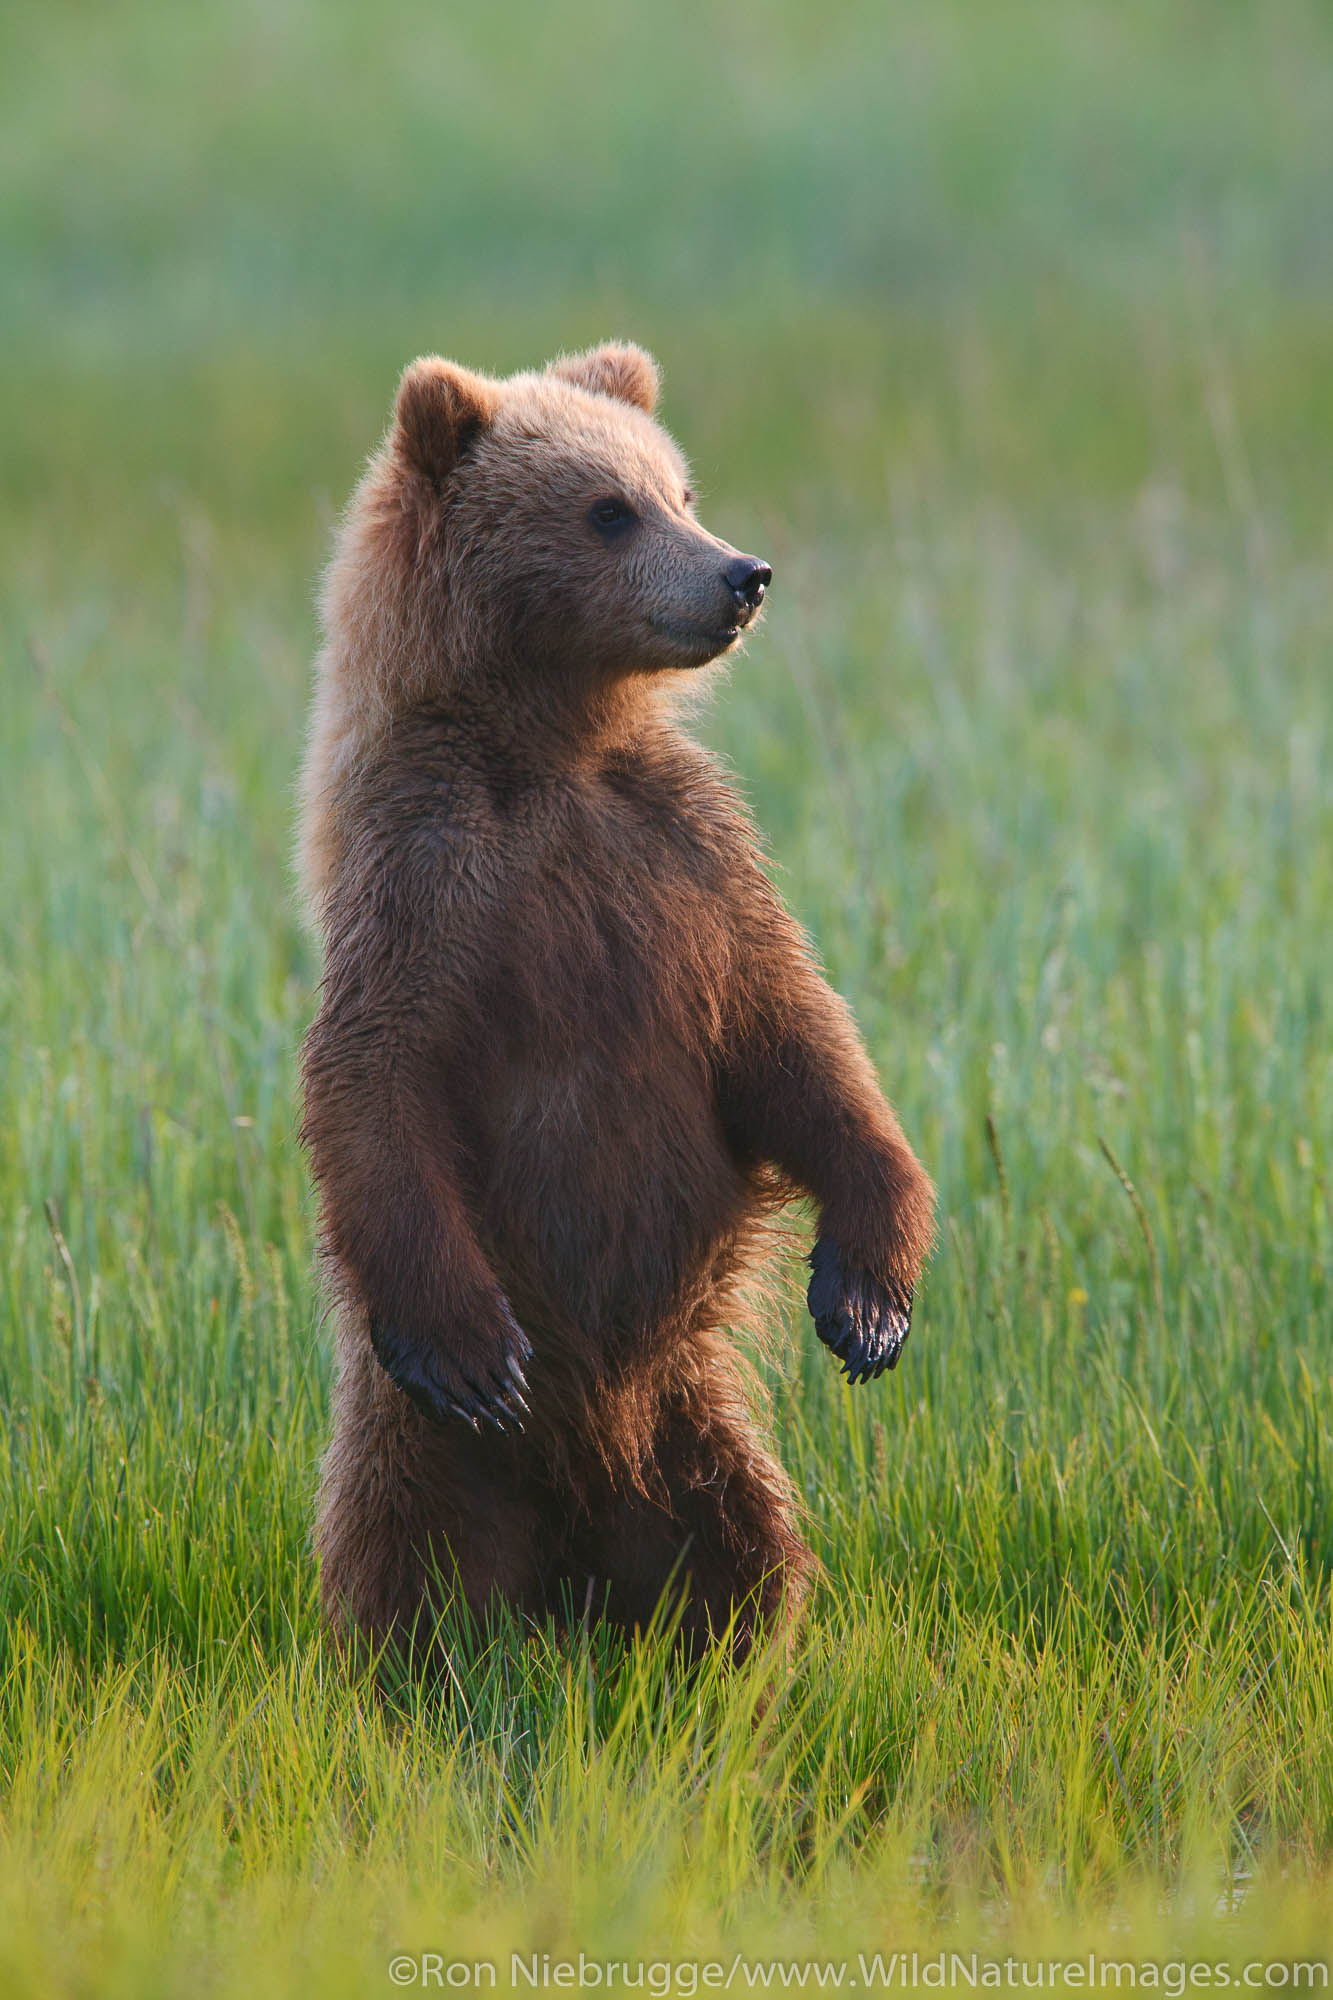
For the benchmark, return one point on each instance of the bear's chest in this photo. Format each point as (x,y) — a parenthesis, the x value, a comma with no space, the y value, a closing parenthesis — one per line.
(603,1001)
(614,937)
(597,1156)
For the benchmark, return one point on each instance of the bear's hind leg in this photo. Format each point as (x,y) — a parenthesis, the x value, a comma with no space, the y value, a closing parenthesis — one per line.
(412,1517)
(716,1532)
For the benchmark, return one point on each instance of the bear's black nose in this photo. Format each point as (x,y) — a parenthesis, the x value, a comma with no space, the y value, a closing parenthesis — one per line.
(748,580)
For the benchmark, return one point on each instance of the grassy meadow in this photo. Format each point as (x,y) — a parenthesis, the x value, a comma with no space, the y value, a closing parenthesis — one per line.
(1006,333)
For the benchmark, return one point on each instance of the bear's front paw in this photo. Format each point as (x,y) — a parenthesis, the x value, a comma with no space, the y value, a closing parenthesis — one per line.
(488,1389)
(862,1321)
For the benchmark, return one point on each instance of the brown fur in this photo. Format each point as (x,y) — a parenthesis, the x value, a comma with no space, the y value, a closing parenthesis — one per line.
(571,1051)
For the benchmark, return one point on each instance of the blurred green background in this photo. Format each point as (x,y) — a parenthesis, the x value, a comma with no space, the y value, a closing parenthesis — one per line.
(224,228)
(1006,333)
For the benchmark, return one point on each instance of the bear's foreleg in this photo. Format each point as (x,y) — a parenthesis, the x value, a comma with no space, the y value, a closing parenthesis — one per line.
(394,1220)
(796,1090)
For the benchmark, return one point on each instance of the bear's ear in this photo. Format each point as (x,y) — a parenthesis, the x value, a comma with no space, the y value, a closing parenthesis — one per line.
(623,371)
(441,409)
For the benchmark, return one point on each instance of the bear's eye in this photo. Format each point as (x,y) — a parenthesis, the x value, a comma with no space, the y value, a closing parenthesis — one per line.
(611,514)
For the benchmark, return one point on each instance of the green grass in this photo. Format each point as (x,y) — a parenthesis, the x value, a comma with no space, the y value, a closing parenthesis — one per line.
(1004,332)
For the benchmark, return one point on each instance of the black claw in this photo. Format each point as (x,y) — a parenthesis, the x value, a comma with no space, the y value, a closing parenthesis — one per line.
(485,1403)
(506,1407)
(863,1322)
(505,1400)
(519,1341)
(501,1402)
(513,1393)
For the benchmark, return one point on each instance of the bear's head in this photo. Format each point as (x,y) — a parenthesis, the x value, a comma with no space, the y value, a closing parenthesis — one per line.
(548,523)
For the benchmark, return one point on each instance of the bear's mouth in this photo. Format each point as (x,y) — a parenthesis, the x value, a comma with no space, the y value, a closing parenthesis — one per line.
(699,638)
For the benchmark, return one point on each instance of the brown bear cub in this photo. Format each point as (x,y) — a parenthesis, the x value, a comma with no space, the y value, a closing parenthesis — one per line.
(571,1051)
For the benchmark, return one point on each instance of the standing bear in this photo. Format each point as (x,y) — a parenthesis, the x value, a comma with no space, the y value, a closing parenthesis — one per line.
(571,1052)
